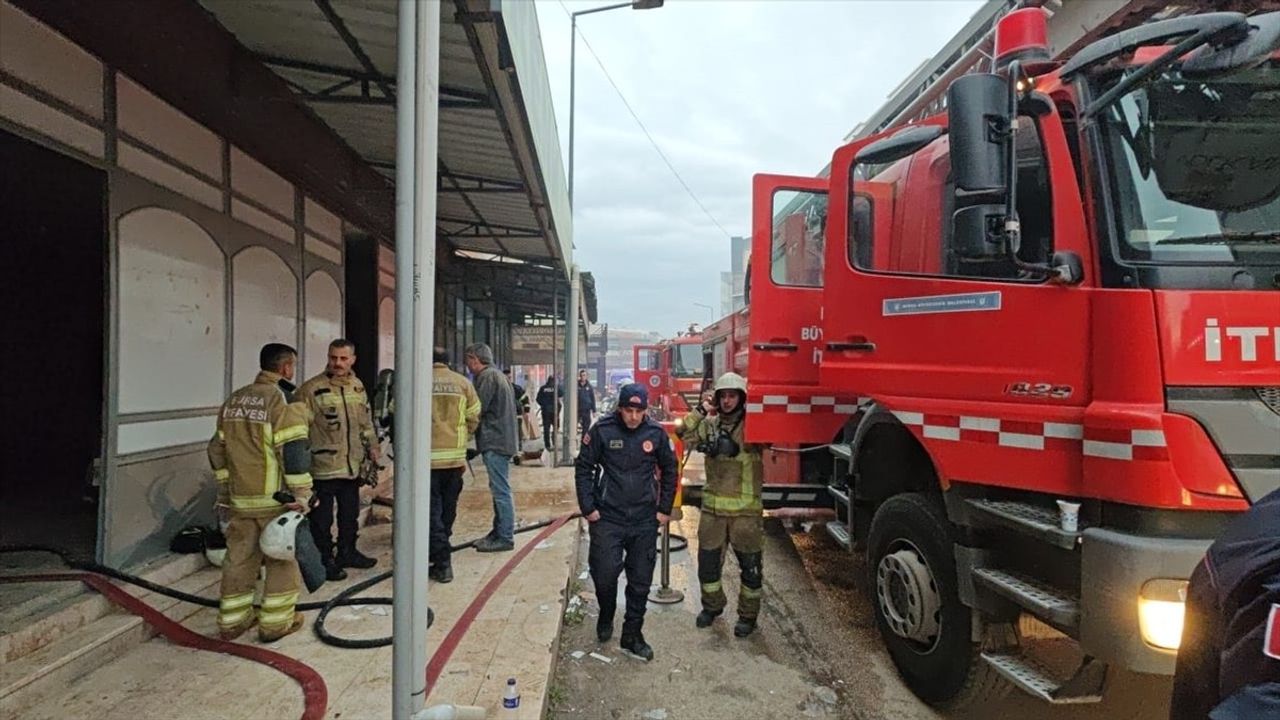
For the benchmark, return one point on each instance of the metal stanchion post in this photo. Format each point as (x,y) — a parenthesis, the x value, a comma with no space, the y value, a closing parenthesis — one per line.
(665,594)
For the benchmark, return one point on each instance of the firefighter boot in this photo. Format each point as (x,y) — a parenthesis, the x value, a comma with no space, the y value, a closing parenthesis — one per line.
(744,627)
(333,571)
(636,647)
(267,636)
(705,618)
(232,633)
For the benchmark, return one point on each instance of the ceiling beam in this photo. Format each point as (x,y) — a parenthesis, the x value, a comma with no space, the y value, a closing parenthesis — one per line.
(451,97)
(340,27)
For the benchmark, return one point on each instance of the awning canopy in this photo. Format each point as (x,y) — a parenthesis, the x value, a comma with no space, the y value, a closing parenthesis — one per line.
(501,188)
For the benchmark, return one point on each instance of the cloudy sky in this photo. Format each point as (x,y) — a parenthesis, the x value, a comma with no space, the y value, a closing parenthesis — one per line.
(727,89)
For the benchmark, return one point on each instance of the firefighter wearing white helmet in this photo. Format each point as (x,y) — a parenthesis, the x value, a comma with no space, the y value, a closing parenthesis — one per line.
(260,447)
(732,505)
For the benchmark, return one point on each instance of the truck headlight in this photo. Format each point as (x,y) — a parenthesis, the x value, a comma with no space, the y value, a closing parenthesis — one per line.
(1161,608)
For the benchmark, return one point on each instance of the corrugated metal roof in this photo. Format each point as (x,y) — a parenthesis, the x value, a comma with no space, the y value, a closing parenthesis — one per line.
(480,132)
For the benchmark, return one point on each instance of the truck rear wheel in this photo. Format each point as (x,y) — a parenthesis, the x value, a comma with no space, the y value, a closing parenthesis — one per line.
(925,627)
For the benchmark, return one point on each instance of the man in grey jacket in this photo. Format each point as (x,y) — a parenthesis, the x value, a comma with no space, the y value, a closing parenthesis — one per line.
(496,442)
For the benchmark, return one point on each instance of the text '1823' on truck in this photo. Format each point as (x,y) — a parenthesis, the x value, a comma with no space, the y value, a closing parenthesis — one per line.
(1065,288)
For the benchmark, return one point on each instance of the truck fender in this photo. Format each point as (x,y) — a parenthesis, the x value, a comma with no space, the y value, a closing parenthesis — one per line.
(920,473)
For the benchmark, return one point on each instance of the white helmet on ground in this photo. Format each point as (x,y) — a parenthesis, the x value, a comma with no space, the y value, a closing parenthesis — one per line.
(279,539)
(215,556)
(731,381)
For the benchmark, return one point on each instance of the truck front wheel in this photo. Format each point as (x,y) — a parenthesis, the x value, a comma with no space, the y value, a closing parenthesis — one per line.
(925,627)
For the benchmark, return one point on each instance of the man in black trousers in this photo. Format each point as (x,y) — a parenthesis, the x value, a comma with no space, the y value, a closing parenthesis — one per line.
(626,483)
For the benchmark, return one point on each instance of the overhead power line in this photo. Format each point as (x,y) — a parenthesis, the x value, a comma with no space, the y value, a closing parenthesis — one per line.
(645,130)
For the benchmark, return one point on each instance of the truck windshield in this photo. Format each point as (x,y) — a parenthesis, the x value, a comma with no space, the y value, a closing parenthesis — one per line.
(687,361)
(1195,168)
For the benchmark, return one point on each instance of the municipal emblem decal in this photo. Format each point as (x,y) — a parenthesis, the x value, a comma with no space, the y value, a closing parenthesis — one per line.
(647,446)
(1271,641)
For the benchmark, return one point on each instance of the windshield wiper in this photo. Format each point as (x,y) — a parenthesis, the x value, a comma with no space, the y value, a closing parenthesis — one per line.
(1262,237)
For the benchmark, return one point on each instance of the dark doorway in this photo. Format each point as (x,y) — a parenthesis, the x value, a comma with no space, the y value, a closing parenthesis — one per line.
(52,291)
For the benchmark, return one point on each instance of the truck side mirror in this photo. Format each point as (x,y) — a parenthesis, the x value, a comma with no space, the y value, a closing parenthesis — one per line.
(978,108)
(978,233)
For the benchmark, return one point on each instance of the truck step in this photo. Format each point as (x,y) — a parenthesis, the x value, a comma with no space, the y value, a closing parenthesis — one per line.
(785,495)
(840,495)
(842,451)
(1040,599)
(840,533)
(1033,520)
(1085,686)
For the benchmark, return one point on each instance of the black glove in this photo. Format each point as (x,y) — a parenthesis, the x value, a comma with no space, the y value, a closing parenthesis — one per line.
(472,453)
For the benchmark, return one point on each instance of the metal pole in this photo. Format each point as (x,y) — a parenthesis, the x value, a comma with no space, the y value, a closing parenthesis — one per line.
(408,678)
(555,395)
(665,594)
(573,74)
(571,365)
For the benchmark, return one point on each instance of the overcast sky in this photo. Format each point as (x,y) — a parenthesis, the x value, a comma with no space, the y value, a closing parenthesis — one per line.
(728,89)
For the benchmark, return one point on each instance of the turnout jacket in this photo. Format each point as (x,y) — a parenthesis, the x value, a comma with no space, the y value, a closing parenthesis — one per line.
(628,475)
(1231,636)
(455,415)
(341,424)
(734,486)
(260,447)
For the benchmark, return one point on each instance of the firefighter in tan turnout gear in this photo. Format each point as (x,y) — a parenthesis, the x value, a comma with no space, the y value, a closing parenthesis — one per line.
(732,507)
(455,415)
(342,434)
(260,448)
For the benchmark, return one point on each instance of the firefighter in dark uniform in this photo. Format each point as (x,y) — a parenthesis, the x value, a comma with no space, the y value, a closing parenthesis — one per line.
(626,484)
(1229,659)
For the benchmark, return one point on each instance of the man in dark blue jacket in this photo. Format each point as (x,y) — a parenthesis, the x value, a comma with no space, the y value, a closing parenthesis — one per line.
(626,483)
(1229,659)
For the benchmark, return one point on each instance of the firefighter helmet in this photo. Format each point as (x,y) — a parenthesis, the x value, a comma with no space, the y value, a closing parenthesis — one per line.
(731,381)
(215,556)
(280,538)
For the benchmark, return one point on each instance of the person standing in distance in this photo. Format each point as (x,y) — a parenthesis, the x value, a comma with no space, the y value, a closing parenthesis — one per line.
(548,407)
(586,402)
(496,442)
(342,434)
(625,477)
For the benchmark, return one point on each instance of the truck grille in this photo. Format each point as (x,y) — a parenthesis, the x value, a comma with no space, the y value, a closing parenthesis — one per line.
(1270,396)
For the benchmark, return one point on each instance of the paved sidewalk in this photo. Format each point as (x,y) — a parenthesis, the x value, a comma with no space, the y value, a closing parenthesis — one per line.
(513,636)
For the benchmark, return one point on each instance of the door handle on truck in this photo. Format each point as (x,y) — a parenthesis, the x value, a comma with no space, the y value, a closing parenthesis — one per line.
(783,346)
(863,346)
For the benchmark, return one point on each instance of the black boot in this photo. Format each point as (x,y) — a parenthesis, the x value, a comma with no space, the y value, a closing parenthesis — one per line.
(332,571)
(441,574)
(636,647)
(604,627)
(744,627)
(705,618)
(352,558)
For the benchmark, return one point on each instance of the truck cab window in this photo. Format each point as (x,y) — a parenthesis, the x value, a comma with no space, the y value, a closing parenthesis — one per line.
(799,231)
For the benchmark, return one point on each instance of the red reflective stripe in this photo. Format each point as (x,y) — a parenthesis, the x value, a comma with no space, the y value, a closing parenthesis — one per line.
(1021,427)
(942,420)
(1271,642)
(1123,436)
(314,692)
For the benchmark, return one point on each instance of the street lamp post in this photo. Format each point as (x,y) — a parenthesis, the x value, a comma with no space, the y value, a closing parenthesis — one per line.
(709,309)
(571,314)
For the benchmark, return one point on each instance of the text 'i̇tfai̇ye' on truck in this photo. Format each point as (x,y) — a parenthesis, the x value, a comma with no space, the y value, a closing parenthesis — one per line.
(1064,288)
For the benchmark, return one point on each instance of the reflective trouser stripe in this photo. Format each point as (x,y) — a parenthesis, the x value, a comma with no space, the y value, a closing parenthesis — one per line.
(711,587)
(277,610)
(298,480)
(222,475)
(252,502)
(233,610)
(750,592)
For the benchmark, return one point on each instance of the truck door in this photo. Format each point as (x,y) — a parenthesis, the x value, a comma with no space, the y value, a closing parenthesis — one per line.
(789,218)
(964,353)
(648,363)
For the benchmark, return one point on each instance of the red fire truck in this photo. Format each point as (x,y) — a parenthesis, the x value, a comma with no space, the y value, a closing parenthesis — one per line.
(1037,342)
(672,370)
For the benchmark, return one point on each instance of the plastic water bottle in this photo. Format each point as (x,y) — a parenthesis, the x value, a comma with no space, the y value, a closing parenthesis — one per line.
(511,700)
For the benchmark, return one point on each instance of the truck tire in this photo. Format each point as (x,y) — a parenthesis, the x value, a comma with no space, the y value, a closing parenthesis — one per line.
(925,627)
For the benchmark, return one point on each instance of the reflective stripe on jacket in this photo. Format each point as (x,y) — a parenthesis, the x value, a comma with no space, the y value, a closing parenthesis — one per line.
(340,425)
(734,486)
(455,415)
(260,447)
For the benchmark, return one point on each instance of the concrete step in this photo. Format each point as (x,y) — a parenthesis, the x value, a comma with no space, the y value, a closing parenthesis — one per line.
(61,608)
(54,665)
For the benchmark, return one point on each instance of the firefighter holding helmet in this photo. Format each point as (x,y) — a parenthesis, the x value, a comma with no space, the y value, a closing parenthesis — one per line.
(732,505)
(260,448)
